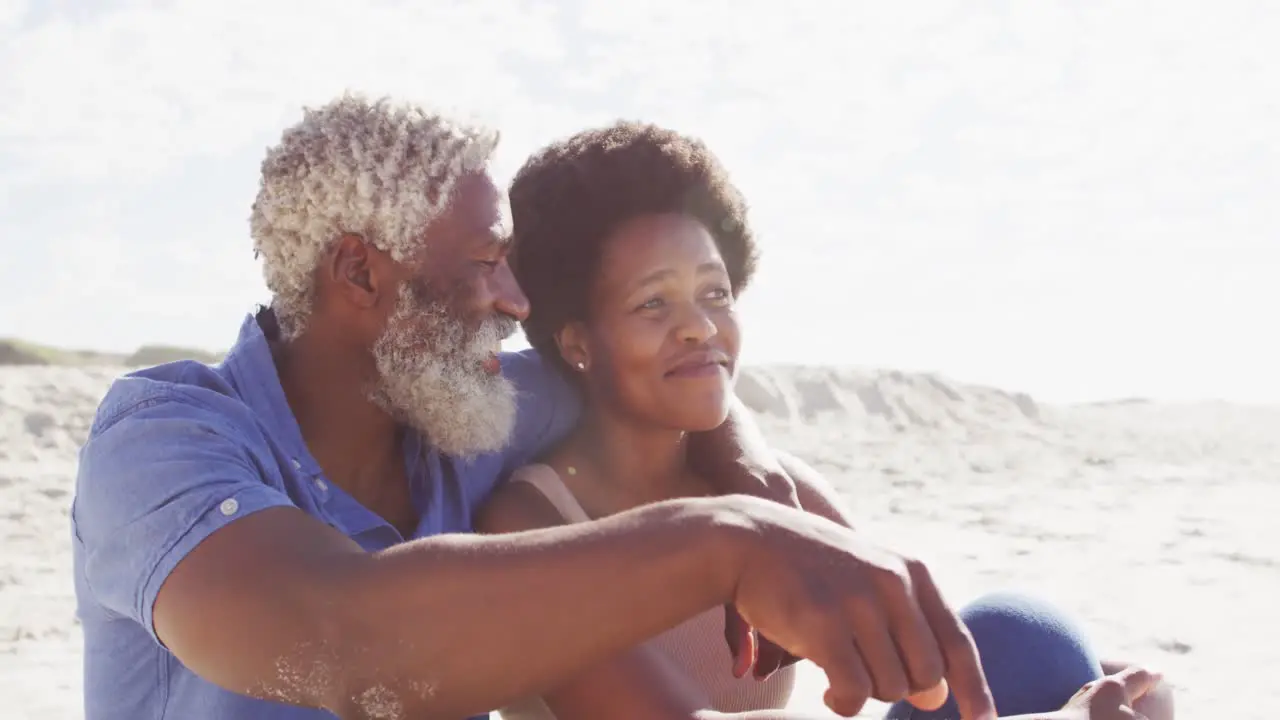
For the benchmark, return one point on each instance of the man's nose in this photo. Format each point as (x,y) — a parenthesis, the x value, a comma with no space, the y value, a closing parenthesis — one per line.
(509,299)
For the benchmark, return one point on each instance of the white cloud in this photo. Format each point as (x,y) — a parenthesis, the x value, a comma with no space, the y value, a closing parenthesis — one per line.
(970,186)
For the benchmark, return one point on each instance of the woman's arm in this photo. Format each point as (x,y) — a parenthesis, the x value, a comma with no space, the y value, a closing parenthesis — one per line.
(638,684)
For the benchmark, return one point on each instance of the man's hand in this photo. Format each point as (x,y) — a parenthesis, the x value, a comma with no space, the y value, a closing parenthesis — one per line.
(1112,697)
(873,620)
(735,460)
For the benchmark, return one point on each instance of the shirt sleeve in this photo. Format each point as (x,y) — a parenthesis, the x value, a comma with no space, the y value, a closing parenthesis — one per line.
(151,487)
(547,407)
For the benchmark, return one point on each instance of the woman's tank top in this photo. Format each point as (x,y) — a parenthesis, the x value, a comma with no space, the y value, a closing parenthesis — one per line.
(696,646)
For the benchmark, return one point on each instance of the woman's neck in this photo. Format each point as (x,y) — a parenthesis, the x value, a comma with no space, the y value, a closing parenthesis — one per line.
(641,464)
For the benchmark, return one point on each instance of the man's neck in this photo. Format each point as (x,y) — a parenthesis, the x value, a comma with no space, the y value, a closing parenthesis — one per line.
(643,464)
(355,442)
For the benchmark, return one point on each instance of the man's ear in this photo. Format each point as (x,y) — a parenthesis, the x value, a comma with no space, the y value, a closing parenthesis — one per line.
(572,343)
(357,271)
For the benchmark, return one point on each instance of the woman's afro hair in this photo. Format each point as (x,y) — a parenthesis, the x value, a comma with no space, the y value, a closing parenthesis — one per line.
(570,196)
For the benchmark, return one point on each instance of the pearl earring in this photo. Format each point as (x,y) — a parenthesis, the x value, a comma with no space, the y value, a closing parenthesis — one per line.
(581,365)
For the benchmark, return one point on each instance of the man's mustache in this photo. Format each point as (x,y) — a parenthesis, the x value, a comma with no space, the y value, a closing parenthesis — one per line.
(501,326)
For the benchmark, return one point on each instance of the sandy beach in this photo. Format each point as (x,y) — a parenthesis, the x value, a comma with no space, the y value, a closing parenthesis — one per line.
(1149,521)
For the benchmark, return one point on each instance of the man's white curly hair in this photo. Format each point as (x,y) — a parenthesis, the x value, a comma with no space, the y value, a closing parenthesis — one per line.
(377,169)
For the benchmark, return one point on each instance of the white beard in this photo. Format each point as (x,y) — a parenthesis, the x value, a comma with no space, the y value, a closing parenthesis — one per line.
(431,377)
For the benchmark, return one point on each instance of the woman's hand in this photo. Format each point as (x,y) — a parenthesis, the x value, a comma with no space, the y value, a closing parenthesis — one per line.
(752,653)
(1113,697)
(1156,703)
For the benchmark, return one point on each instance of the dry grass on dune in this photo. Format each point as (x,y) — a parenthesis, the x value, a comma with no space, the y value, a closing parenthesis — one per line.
(22,352)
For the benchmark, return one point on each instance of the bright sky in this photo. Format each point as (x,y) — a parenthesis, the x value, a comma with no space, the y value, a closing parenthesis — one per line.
(1074,199)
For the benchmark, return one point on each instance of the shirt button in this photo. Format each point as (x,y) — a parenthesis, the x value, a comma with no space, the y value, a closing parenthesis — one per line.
(229,506)
(297,465)
(322,485)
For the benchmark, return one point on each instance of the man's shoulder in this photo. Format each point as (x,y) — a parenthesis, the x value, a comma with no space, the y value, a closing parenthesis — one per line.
(182,389)
(165,431)
(521,362)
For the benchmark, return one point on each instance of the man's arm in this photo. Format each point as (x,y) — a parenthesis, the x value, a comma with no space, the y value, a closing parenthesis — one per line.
(547,409)
(183,534)
(637,684)
(277,605)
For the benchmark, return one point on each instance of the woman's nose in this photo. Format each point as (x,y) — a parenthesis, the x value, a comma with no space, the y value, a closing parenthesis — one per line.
(696,326)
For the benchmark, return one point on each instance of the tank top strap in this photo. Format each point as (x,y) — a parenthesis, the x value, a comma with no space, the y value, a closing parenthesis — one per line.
(548,482)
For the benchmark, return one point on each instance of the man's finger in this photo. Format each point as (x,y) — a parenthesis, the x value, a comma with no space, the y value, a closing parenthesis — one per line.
(931,699)
(849,684)
(959,654)
(919,648)
(871,632)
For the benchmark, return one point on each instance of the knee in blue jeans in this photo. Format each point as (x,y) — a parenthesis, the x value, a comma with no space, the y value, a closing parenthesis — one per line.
(1034,655)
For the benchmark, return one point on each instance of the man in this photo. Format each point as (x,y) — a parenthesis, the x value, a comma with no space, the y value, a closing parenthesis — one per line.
(286,535)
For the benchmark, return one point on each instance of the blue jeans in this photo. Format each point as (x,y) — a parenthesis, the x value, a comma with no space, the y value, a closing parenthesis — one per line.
(1034,656)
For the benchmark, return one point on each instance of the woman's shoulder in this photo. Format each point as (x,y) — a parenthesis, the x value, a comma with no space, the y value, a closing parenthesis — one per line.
(522,502)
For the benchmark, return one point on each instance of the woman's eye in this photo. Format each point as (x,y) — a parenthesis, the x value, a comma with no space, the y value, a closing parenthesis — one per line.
(651,304)
(721,295)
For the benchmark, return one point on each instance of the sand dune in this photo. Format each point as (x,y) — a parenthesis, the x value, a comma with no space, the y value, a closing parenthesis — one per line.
(19,352)
(1149,521)
(885,398)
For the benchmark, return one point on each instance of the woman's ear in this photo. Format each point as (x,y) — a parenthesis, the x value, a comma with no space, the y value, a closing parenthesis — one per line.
(572,342)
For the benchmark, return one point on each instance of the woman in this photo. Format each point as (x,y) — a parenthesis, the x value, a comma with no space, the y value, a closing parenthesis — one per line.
(632,246)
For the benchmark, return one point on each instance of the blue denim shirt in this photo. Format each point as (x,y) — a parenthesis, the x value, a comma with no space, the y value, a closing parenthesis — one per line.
(180,450)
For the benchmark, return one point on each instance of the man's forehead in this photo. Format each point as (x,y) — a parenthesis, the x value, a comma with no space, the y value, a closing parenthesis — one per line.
(476,216)
(477,199)
(502,227)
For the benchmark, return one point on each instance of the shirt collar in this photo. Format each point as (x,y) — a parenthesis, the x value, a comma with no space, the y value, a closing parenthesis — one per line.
(252,370)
